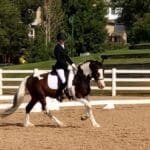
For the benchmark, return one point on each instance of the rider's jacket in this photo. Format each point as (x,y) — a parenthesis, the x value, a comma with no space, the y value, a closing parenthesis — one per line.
(62,58)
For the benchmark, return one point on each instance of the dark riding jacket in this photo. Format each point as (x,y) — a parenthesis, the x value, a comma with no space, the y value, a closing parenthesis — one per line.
(62,58)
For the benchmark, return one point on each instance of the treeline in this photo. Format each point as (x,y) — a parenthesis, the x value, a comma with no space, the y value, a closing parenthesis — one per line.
(136,17)
(83,21)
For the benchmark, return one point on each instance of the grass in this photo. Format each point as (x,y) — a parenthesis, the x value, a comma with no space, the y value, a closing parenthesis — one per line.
(96,56)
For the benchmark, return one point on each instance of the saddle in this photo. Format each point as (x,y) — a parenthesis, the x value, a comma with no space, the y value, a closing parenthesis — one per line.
(54,81)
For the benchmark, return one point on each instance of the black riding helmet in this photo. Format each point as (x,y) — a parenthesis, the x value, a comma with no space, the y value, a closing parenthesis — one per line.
(61,36)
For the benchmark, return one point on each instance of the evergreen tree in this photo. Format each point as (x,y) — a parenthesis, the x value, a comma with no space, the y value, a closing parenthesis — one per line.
(141,29)
(86,23)
(13,33)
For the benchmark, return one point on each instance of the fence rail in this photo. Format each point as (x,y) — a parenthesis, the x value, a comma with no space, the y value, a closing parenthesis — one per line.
(113,79)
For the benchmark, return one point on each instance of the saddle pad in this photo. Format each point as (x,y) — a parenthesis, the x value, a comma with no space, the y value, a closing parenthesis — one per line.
(52,81)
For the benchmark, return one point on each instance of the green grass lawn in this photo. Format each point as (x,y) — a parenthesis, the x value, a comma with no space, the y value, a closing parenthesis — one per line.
(96,56)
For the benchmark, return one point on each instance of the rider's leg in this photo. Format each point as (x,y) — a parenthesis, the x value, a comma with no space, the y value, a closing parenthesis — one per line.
(69,85)
(61,74)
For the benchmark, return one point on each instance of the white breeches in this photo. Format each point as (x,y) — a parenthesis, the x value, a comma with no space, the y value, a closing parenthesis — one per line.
(61,74)
(70,79)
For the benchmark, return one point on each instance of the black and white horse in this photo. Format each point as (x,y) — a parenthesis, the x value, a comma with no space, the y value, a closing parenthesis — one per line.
(38,89)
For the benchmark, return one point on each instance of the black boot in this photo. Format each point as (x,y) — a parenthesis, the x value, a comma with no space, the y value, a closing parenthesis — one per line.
(59,94)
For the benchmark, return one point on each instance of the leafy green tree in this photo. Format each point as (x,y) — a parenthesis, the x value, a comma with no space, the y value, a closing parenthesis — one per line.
(86,23)
(131,10)
(132,13)
(141,29)
(13,33)
(53,19)
(39,51)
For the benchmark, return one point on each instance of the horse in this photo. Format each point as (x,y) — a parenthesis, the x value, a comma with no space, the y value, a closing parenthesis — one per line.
(39,90)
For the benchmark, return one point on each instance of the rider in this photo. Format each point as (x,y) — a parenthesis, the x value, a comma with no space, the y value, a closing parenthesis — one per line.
(63,63)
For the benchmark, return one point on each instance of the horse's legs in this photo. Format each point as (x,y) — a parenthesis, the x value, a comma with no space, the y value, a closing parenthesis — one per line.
(49,114)
(54,119)
(89,112)
(27,122)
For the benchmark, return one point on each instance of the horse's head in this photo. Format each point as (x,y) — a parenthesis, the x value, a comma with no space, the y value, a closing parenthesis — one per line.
(97,73)
(93,69)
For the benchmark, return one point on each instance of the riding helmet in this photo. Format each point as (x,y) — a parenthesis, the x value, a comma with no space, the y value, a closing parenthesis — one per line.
(61,36)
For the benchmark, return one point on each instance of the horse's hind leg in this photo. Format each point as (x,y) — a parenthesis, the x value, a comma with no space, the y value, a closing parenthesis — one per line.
(89,112)
(54,119)
(27,122)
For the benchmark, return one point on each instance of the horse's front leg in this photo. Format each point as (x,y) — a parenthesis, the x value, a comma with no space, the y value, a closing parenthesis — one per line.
(89,112)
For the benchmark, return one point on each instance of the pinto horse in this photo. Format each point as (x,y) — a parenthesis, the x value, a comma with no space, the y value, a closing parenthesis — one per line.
(38,90)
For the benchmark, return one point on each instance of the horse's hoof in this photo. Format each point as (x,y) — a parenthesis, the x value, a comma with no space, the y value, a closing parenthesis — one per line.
(84,117)
(96,125)
(29,125)
(62,125)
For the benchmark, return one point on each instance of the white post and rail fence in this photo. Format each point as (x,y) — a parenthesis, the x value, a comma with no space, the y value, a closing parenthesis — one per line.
(113,79)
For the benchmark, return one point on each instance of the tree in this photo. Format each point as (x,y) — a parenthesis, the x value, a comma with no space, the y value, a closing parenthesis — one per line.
(53,18)
(28,9)
(132,13)
(131,10)
(13,33)
(86,23)
(141,29)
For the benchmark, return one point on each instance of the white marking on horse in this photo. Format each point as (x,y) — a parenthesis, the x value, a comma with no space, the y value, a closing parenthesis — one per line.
(89,112)
(37,74)
(86,69)
(100,71)
(27,122)
(101,82)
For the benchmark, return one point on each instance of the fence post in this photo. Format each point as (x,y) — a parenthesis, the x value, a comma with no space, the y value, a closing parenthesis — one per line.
(1,82)
(113,81)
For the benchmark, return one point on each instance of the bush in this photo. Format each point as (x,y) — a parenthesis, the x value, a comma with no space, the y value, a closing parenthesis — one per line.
(141,29)
(39,50)
(112,46)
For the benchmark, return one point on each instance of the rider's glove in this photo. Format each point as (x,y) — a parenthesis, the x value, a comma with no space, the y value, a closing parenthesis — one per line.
(69,67)
(74,66)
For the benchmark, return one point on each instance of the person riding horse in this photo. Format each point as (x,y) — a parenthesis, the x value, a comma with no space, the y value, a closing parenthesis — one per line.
(63,62)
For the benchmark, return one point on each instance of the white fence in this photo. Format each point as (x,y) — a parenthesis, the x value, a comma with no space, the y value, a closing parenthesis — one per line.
(113,80)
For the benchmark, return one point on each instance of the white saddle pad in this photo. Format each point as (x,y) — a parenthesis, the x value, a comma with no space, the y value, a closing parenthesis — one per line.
(52,81)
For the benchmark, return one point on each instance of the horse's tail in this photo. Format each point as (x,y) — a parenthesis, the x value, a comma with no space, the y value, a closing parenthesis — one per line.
(17,100)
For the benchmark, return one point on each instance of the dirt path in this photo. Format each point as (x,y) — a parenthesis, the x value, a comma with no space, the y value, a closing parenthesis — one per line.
(125,128)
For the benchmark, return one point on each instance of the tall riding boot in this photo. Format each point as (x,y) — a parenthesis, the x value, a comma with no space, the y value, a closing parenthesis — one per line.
(59,91)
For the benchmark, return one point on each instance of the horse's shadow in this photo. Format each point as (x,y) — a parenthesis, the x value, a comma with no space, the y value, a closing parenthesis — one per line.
(55,126)
(8,124)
